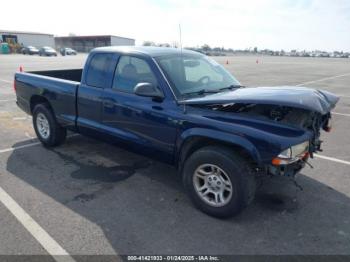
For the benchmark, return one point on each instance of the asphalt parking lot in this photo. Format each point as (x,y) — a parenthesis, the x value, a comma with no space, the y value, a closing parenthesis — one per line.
(94,198)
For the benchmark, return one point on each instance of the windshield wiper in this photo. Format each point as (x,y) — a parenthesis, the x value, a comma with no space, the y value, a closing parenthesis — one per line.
(201,92)
(231,87)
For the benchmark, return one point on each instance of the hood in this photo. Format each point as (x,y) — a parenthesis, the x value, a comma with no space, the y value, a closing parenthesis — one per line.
(298,97)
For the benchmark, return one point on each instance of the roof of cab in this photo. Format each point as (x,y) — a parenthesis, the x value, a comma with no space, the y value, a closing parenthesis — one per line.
(145,50)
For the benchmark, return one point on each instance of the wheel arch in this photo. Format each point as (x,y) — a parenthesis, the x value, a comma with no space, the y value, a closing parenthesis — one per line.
(38,99)
(196,139)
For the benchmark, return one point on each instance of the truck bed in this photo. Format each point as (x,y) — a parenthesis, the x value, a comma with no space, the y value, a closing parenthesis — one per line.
(66,74)
(58,87)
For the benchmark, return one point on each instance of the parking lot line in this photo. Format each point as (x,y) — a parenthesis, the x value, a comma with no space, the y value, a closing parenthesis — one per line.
(18,147)
(332,159)
(37,143)
(10,149)
(6,81)
(7,100)
(323,79)
(19,118)
(45,240)
(341,95)
(340,114)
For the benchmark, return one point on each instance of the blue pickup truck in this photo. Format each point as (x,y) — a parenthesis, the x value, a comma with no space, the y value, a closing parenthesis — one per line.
(185,109)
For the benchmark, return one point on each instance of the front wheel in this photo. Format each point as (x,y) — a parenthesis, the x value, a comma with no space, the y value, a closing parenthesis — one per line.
(219,182)
(48,131)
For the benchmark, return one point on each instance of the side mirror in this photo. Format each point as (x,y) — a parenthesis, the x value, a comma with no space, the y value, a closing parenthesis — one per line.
(148,90)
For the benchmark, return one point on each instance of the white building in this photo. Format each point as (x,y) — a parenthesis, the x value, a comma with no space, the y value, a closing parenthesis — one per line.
(118,40)
(27,38)
(86,43)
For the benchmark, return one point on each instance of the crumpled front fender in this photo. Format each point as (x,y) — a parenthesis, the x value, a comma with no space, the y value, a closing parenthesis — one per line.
(221,137)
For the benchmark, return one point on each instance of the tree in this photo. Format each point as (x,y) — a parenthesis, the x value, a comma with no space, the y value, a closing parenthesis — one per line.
(148,43)
(164,45)
(206,48)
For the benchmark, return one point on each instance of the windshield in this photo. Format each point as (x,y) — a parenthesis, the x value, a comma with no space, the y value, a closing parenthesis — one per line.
(194,75)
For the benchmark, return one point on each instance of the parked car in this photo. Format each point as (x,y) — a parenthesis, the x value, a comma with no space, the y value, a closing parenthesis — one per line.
(185,109)
(324,54)
(30,50)
(47,51)
(67,51)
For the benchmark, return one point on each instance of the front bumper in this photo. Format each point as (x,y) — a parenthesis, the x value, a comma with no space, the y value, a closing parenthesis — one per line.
(289,170)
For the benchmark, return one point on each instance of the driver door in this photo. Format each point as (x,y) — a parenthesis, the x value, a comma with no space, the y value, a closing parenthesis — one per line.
(136,119)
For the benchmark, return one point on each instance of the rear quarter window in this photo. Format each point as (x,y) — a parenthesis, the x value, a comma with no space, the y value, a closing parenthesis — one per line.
(98,70)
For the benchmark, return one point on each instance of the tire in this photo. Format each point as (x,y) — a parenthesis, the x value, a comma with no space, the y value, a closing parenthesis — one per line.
(44,119)
(233,169)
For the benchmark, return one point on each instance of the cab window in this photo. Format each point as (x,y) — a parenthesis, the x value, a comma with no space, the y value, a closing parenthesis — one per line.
(130,71)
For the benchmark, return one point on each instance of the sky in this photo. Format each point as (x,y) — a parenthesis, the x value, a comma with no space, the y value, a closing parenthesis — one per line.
(237,24)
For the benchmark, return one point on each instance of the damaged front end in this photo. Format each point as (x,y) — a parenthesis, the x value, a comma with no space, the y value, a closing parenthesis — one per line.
(291,160)
(302,108)
(296,117)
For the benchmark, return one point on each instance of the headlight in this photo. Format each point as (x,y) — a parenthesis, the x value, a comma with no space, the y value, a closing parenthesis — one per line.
(286,153)
(300,149)
(292,154)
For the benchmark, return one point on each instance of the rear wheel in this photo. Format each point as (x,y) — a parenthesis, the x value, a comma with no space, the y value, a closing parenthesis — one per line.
(218,181)
(48,131)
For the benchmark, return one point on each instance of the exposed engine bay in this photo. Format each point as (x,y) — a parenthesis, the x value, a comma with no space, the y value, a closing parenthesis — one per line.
(297,117)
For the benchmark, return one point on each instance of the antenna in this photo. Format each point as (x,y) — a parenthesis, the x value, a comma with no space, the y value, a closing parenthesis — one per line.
(180,37)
